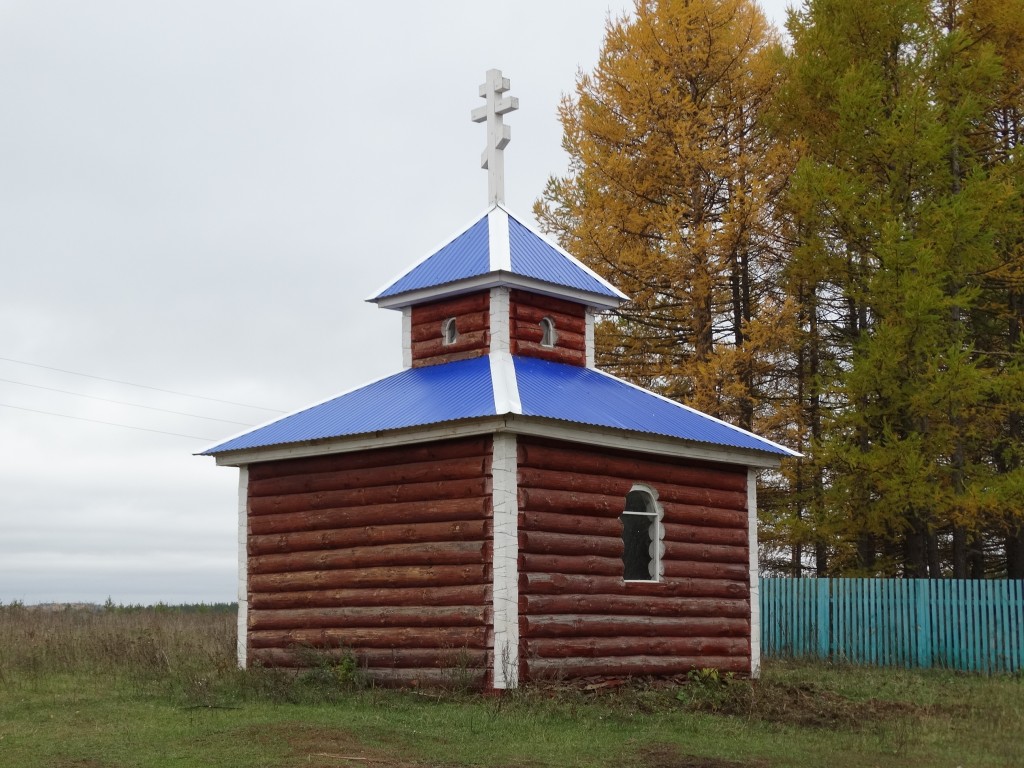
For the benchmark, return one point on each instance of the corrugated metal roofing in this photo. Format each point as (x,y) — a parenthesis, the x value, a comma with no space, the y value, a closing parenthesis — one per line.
(416,396)
(468,255)
(534,257)
(465,390)
(586,396)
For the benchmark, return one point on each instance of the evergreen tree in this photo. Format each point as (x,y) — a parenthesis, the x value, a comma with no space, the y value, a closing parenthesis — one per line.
(902,213)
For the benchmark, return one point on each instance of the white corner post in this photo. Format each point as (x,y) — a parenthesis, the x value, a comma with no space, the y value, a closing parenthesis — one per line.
(501,324)
(242,644)
(498,134)
(505,554)
(407,337)
(588,339)
(755,591)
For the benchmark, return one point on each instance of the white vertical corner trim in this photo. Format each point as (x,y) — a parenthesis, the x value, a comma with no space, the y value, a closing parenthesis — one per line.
(504,384)
(407,337)
(501,334)
(505,570)
(497,240)
(588,339)
(755,592)
(242,643)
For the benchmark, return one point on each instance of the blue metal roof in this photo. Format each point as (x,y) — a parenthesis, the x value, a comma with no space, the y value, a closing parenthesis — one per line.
(465,390)
(416,396)
(468,255)
(535,257)
(529,255)
(587,396)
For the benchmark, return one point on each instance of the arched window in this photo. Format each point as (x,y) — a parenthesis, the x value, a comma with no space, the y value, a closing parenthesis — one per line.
(641,536)
(547,329)
(449,333)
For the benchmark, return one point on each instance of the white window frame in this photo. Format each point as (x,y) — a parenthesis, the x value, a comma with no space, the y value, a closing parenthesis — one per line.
(548,333)
(449,332)
(656,532)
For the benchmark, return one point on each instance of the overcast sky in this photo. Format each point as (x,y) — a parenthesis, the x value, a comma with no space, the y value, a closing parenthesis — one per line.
(198,197)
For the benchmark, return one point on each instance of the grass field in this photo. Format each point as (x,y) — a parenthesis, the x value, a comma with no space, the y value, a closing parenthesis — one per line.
(159,688)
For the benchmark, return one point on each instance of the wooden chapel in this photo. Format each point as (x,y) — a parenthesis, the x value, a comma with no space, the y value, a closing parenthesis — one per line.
(499,507)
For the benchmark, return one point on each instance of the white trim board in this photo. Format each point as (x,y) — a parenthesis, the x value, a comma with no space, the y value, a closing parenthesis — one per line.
(755,592)
(242,641)
(492,280)
(522,425)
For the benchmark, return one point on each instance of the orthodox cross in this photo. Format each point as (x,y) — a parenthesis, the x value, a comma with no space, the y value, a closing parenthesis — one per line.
(498,134)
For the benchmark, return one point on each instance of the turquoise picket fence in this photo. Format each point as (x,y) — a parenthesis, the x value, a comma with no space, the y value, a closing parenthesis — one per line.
(970,625)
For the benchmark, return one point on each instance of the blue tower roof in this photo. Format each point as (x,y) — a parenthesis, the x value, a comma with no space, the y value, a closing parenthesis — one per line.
(498,249)
(498,385)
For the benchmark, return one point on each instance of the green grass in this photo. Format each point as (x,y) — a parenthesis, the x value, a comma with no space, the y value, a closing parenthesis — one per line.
(159,688)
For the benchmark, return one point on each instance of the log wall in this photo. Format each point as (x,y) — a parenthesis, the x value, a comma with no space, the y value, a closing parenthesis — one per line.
(472,320)
(383,553)
(528,309)
(578,617)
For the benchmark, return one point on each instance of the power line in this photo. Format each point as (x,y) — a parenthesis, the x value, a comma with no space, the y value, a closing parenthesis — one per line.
(108,423)
(122,402)
(141,386)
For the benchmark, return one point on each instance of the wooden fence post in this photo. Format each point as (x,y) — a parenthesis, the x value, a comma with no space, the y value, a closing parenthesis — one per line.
(922,588)
(824,618)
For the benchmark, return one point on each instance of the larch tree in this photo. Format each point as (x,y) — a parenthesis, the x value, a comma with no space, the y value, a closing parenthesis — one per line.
(904,218)
(671,180)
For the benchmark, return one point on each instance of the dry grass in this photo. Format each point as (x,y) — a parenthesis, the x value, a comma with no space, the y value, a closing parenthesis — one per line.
(137,643)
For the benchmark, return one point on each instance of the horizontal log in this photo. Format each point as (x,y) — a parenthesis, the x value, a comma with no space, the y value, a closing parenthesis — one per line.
(705,553)
(462,530)
(691,514)
(550,303)
(623,666)
(524,314)
(553,354)
(459,305)
(562,583)
(565,523)
(586,625)
(600,566)
(464,342)
(634,605)
(464,323)
(476,594)
(630,466)
(368,477)
(737,572)
(564,339)
(376,616)
(544,543)
(566,480)
(356,578)
(433,658)
(571,502)
(363,497)
(380,457)
(616,488)
(589,647)
(460,679)
(390,637)
(359,517)
(703,534)
(452,357)
(425,553)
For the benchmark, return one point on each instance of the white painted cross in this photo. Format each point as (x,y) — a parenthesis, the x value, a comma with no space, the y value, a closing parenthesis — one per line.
(498,134)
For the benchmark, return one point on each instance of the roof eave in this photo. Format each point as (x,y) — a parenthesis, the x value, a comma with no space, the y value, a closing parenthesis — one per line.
(494,280)
(534,426)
